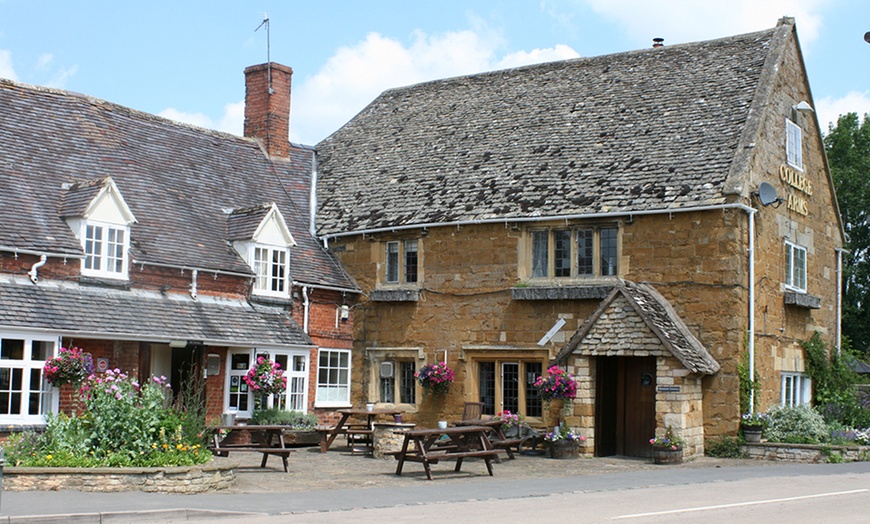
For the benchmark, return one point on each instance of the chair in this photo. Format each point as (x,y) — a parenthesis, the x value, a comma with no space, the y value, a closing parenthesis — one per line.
(472,411)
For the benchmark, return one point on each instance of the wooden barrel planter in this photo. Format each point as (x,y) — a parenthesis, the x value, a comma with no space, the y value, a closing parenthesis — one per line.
(752,434)
(666,455)
(565,449)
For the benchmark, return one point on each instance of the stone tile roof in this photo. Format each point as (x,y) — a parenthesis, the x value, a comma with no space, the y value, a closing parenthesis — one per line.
(660,318)
(177,179)
(653,129)
(76,309)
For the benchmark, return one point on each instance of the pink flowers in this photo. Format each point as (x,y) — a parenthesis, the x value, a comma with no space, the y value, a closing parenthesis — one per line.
(70,366)
(435,378)
(557,385)
(266,377)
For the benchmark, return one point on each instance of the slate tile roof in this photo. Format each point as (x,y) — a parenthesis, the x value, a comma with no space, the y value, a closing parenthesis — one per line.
(142,315)
(653,129)
(660,317)
(177,180)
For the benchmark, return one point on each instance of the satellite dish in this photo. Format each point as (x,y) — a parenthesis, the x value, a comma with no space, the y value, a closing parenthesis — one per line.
(767,194)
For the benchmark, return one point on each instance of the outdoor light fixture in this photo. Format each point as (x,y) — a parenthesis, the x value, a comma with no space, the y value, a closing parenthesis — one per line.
(178,343)
(803,107)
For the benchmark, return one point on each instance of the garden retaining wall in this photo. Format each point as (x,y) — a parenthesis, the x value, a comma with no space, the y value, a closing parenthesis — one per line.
(805,452)
(180,479)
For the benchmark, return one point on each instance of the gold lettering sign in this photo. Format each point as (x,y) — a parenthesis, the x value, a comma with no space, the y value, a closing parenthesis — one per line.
(798,205)
(795,180)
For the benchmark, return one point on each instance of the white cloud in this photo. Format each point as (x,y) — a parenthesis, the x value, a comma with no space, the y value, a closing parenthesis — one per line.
(828,110)
(354,76)
(688,21)
(59,78)
(232,120)
(197,119)
(6,69)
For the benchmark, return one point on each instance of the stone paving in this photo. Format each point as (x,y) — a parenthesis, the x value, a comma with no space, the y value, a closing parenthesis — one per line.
(311,470)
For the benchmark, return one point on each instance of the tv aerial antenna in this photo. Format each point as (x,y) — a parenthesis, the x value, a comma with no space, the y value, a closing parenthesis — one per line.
(265,22)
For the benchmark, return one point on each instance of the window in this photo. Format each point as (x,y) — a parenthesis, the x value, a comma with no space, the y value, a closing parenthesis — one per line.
(295,365)
(795,267)
(401,262)
(270,266)
(333,377)
(25,397)
(577,252)
(796,389)
(793,152)
(400,384)
(508,386)
(105,249)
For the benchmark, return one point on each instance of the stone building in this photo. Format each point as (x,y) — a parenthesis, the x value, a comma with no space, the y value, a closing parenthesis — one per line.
(645,220)
(164,249)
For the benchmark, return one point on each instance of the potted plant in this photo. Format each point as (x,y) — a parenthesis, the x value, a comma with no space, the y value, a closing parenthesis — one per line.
(435,378)
(513,424)
(70,366)
(557,385)
(564,443)
(668,448)
(753,425)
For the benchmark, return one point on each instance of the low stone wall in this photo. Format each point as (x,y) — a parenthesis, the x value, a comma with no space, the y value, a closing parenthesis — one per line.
(181,479)
(805,452)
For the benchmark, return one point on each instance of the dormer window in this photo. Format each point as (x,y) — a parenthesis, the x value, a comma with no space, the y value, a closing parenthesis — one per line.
(260,235)
(102,225)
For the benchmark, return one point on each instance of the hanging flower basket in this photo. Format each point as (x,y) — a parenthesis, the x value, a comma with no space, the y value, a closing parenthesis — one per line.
(435,378)
(70,366)
(556,385)
(265,378)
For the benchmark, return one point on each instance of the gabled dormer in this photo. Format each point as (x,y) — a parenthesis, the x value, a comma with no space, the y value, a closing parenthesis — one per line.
(261,237)
(100,218)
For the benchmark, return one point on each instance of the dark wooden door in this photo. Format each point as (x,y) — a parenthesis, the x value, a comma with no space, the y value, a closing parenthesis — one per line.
(625,417)
(640,405)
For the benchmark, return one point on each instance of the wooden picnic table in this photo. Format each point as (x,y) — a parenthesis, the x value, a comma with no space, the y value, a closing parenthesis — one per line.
(327,435)
(500,442)
(268,440)
(426,446)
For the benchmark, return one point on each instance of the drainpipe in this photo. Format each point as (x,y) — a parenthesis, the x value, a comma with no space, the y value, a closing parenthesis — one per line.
(312,197)
(32,273)
(751,254)
(306,305)
(193,278)
(839,338)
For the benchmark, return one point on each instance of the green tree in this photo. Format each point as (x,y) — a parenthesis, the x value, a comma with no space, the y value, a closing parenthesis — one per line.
(848,148)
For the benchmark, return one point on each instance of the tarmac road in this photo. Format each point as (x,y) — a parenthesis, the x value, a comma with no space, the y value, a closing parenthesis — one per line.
(321,487)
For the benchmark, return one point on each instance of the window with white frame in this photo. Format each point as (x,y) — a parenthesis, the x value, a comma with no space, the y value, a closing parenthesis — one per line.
(294,364)
(793,153)
(25,396)
(106,247)
(574,252)
(397,384)
(402,258)
(333,377)
(795,267)
(795,389)
(271,265)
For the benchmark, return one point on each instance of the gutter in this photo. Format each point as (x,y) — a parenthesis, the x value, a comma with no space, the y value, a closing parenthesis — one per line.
(326,288)
(188,268)
(325,238)
(40,253)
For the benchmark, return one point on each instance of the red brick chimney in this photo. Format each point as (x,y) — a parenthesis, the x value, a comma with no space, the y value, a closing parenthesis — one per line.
(267,107)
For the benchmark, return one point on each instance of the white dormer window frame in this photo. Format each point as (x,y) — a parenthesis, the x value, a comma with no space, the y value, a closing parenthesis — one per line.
(106,247)
(793,147)
(104,232)
(267,253)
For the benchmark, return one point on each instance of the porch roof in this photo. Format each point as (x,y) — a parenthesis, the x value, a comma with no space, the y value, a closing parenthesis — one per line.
(72,309)
(660,317)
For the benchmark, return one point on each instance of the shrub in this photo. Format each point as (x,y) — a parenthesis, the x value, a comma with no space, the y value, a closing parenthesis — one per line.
(280,417)
(796,425)
(724,447)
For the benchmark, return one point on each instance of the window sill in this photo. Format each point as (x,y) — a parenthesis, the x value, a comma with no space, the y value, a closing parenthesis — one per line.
(799,299)
(395,295)
(271,301)
(587,292)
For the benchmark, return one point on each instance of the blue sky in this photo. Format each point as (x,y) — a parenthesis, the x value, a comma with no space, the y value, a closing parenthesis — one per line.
(185,59)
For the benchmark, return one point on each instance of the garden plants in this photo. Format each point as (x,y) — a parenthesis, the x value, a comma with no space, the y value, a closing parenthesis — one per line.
(435,378)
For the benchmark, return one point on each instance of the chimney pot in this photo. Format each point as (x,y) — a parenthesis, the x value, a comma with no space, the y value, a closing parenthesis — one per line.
(658,42)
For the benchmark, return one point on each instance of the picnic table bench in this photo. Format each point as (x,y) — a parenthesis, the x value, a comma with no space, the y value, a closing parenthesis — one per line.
(426,447)
(355,433)
(499,440)
(268,440)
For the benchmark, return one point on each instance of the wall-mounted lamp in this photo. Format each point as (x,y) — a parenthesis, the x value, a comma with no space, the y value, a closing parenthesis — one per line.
(345,313)
(178,343)
(767,195)
(800,107)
